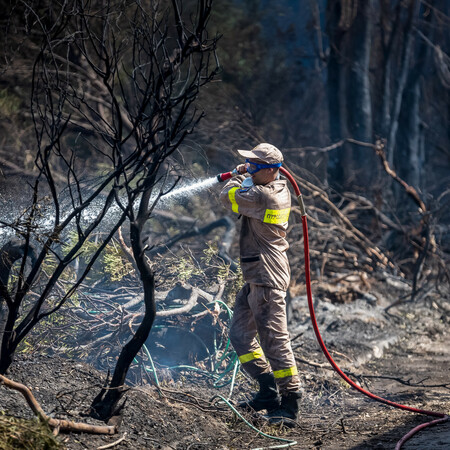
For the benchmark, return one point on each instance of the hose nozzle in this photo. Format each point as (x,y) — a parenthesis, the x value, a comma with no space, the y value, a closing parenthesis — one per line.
(227,175)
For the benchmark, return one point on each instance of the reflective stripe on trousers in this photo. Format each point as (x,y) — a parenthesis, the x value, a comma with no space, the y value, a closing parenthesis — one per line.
(262,310)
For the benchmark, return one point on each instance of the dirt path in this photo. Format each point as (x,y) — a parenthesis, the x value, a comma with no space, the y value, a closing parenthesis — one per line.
(367,424)
(403,357)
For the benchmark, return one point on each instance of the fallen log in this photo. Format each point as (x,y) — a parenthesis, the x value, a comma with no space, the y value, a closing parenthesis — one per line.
(57,424)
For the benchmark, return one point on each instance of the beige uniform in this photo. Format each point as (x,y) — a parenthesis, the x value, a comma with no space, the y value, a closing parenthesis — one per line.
(260,306)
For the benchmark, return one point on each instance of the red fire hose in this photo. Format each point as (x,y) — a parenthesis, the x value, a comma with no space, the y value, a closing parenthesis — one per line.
(442,417)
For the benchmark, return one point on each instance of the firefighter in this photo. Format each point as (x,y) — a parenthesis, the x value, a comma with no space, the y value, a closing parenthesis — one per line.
(263,202)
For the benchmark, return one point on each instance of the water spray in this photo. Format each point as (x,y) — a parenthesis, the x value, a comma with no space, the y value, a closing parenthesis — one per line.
(442,417)
(187,190)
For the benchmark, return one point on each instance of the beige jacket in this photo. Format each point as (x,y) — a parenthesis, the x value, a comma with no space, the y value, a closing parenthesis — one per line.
(265,211)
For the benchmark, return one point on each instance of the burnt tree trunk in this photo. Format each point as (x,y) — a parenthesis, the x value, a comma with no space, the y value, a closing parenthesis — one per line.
(409,157)
(358,96)
(11,252)
(349,28)
(105,405)
(338,159)
(8,344)
(401,79)
(389,35)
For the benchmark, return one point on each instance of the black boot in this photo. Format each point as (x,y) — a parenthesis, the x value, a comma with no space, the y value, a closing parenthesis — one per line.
(266,398)
(286,414)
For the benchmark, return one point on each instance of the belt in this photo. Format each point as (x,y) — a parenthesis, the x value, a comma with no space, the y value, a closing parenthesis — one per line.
(246,259)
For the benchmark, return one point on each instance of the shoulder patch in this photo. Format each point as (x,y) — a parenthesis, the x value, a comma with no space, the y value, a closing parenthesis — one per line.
(277,216)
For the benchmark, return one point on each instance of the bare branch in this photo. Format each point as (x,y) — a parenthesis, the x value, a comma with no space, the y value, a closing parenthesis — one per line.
(57,424)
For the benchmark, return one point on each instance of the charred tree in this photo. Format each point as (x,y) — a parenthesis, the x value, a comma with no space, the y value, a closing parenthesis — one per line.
(339,159)
(12,251)
(358,96)
(401,76)
(118,81)
(409,157)
(349,26)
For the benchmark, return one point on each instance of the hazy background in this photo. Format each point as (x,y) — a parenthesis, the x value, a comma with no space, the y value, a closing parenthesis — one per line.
(322,80)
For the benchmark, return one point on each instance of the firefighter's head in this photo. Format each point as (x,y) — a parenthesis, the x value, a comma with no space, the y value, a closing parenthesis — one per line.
(262,163)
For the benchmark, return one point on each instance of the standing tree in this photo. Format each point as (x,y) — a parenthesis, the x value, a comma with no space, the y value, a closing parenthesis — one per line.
(378,68)
(382,95)
(349,27)
(114,84)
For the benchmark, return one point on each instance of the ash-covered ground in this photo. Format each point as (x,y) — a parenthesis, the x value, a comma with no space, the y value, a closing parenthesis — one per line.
(402,355)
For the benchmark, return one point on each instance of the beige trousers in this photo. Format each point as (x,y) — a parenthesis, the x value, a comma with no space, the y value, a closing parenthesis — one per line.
(261,310)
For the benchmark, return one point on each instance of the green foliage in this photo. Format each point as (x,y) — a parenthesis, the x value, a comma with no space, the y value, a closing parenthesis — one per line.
(182,269)
(50,264)
(9,103)
(235,281)
(116,265)
(88,249)
(58,329)
(55,332)
(13,276)
(48,267)
(113,262)
(212,260)
(240,45)
(67,276)
(210,269)
(18,433)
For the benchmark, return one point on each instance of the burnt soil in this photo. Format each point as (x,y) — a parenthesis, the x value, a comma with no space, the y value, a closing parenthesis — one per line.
(402,355)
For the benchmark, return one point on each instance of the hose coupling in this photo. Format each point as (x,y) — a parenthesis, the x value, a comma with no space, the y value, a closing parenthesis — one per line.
(301,204)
